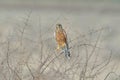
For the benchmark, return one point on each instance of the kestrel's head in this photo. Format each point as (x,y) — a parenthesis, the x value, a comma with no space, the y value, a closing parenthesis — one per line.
(59,27)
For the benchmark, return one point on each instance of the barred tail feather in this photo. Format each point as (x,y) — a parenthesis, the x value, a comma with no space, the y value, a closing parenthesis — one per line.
(67,52)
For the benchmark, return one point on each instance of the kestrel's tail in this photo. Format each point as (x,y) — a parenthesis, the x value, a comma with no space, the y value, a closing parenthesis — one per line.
(66,51)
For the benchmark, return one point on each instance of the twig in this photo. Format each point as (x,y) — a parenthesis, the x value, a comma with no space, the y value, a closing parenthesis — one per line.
(30,71)
(9,64)
(51,62)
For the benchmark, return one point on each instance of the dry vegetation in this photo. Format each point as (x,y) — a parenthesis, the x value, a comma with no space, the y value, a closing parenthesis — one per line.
(25,58)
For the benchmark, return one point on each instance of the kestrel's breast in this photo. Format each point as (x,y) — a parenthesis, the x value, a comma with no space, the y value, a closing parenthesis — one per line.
(60,38)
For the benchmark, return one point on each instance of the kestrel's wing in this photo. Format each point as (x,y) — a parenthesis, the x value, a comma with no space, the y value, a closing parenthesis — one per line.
(65,34)
(66,49)
(67,45)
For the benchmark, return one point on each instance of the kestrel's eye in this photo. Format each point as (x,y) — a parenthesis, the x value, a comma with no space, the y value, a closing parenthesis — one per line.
(60,27)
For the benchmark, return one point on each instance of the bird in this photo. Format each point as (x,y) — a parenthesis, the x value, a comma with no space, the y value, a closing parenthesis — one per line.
(61,39)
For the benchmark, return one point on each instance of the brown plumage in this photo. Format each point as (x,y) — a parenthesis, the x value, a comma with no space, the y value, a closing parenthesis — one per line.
(61,39)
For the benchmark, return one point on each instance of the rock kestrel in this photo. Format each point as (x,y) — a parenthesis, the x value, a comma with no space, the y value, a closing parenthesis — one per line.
(61,39)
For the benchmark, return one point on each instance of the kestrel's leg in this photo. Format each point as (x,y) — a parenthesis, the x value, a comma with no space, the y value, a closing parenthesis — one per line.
(63,45)
(58,48)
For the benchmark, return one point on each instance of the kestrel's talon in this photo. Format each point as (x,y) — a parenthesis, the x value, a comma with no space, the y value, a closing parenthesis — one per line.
(58,47)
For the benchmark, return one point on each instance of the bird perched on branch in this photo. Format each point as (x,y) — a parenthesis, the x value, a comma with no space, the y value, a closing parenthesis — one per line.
(61,39)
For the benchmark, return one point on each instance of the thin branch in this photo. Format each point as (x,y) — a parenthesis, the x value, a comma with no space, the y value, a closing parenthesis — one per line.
(30,71)
(8,49)
(25,25)
(51,62)
(110,74)
(92,52)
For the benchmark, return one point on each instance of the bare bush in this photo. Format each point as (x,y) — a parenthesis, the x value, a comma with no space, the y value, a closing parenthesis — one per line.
(26,58)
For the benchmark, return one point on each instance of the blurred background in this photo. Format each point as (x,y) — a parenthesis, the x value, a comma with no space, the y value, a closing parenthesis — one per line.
(77,14)
(77,17)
